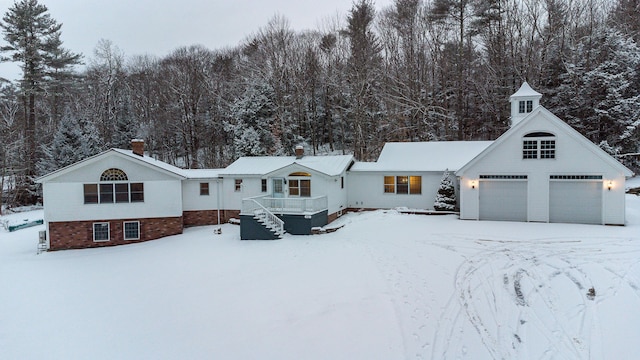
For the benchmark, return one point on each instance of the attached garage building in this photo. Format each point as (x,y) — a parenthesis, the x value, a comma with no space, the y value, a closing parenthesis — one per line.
(542,170)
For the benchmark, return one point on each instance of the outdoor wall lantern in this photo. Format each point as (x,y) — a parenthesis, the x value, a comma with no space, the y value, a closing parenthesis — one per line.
(473,184)
(610,185)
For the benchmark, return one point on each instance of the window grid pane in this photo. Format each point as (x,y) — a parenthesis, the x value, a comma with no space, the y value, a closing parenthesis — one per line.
(113,175)
(305,188)
(389,184)
(101,231)
(106,193)
(238,184)
(530,149)
(415,184)
(294,188)
(90,193)
(529,106)
(204,188)
(504,177)
(122,193)
(263,185)
(402,185)
(547,149)
(575,177)
(521,108)
(137,192)
(132,230)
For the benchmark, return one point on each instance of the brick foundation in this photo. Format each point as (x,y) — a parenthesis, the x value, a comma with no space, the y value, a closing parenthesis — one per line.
(201,217)
(332,217)
(208,217)
(79,234)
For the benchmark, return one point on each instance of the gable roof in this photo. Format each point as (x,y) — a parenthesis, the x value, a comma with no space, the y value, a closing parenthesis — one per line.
(570,131)
(424,156)
(331,165)
(143,160)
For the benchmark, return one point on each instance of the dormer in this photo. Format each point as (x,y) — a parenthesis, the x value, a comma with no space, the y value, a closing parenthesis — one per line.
(523,102)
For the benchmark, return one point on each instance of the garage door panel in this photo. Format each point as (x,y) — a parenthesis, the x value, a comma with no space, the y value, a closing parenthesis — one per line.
(503,200)
(575,202)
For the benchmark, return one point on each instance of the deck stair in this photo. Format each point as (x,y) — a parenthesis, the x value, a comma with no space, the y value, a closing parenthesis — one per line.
(270,221)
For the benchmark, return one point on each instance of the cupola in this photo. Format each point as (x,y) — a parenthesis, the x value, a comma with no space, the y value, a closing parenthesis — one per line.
(523,102)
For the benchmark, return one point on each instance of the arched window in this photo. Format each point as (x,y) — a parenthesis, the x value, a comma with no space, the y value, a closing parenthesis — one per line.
(300,173)
(539,145)
(113,174)
(114,187)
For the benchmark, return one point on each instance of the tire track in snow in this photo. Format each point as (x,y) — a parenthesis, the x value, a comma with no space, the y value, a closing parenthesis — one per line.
(538,306)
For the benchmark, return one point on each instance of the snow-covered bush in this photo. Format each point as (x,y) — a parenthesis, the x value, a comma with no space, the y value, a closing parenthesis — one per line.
(446,197)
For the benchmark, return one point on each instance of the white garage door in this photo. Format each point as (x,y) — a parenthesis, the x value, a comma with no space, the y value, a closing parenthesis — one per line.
(503,200)
(575,202)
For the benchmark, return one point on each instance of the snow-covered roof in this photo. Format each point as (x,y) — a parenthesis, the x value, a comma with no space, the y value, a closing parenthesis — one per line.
(331,165)
(201,173)
(187,173)
(154,162)
(424,156)
(525,90)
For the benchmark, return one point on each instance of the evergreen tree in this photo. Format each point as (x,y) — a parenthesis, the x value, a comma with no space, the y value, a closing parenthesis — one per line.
(446,197)
(254,113)
(65,149)
(33,40)
(74,140)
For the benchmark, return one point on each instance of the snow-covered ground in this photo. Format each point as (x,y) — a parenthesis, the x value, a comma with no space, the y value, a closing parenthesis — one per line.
(385,286)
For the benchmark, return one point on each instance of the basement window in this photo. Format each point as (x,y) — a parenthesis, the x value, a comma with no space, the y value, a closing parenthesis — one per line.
(131,230)
(101,231)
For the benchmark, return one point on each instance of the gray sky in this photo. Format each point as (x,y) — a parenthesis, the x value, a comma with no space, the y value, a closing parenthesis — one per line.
(159,26)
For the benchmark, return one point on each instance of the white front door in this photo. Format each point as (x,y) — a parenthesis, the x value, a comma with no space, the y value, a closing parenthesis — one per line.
(278,187)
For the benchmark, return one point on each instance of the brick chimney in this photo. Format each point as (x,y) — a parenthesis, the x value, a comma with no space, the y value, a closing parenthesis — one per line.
(299,152)
(137,146)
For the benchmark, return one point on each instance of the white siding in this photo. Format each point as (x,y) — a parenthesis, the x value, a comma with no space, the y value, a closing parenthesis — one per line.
(572,158)
(135,171)
(65,202)
(192,200)
(366,190)
(321,185)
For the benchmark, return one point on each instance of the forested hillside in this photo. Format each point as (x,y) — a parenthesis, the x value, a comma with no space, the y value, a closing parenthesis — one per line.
(416,71)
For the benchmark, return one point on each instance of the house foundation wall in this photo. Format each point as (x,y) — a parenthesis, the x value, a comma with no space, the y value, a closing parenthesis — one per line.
(79,234)
(208,217)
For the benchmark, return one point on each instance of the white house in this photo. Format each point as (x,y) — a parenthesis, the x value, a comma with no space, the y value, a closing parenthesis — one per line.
(408,174)
(540,170)
(115,197)
(301,191)
(123,196)
(543,170)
